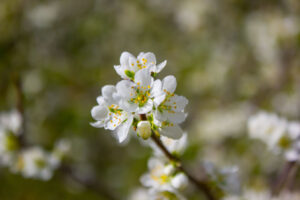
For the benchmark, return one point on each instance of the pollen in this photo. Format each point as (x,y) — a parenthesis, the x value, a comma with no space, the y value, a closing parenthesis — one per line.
(138,83)
(148,86)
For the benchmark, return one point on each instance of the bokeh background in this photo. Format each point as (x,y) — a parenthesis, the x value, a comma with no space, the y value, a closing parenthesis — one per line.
(231,58)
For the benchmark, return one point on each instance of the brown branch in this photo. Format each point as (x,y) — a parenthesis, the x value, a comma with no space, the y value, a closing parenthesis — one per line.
(21,109)
(285,177)
(200,184)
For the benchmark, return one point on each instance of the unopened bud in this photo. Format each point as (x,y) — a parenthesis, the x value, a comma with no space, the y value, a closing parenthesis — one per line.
(144,129)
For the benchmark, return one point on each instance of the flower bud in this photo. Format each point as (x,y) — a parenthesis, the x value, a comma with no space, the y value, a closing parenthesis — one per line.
(144,129)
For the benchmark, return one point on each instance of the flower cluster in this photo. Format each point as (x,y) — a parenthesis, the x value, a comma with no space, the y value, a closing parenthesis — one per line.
(139,103)
(278,133)
(30,161)
(164,180)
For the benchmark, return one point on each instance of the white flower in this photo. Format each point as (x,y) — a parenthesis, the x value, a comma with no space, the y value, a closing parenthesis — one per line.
(267,127)
(163,177)
(293,144)
(226,178)
(8,147)
(136,96)
(169,106)
(36,163)
(144,129)
(129,65)
(11,121)
(109,115)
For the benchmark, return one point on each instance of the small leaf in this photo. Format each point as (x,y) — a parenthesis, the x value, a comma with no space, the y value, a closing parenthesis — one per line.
(130,74)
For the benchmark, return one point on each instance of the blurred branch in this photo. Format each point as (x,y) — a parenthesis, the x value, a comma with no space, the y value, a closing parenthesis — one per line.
(20,108)
(200,184)
(285,177)
(88,183)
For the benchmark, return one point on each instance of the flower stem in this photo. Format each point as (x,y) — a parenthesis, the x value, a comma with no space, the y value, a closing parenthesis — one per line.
(200,184)
(285,177)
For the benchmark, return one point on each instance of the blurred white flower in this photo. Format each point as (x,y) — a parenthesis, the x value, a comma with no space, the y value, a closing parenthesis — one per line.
(226,178)
(36,163)
(43,16)
(11,121)
(109,115)
(267,127)
(163,177)
(169,106)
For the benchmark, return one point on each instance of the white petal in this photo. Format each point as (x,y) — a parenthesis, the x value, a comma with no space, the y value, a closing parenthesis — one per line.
(133,64)
(99,112)
(124,59)
(161,116)
(169,83)
(100,100)
(156,88)
(159,99)
(143,78)
(98,124)
(146,108)
(124,89)
(107,92)
(180,181)
(121,71)
(174,132)
(176,117)
(160,66)
(178,103)
(149,57)
(123,129)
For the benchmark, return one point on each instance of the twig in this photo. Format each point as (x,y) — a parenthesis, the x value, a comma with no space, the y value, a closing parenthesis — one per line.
(201,185)
(285,177)
(21,109)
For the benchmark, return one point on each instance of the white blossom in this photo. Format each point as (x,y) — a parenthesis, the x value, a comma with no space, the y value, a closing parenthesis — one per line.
(169,106)
(129,65)
(139,103)
(267,127)
(226,178)
(136,96)
(163,177)
(109,115)
(11,121)
(34,162)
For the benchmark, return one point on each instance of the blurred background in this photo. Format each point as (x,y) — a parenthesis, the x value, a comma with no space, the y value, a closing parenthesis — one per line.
(231,58)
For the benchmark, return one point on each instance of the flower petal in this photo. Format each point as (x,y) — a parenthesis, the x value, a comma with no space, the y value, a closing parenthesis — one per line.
(99,112)
(123,129)
(169,84)
(174,132)
(143,78)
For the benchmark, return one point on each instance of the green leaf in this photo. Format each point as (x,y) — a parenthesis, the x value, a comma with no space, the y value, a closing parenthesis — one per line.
(130,74)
